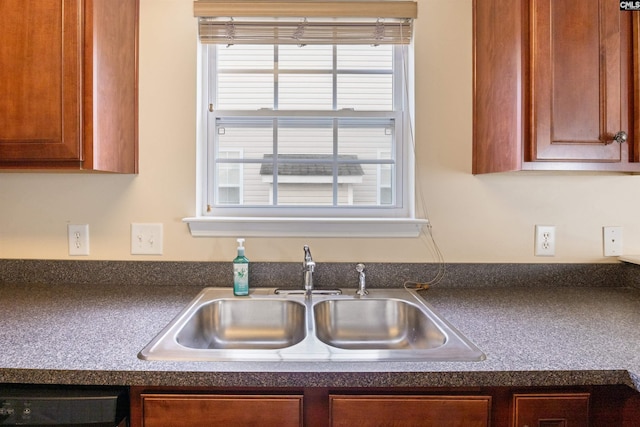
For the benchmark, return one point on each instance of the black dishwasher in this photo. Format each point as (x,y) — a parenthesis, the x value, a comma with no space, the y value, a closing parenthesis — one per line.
(63,406)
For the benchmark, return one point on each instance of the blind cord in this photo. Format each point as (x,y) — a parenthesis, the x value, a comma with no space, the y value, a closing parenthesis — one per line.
(426,233)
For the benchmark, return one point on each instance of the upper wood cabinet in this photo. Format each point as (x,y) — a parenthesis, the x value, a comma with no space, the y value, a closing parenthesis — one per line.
(553,85)
(69,85)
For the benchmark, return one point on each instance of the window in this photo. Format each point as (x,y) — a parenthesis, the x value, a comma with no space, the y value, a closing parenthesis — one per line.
(310,121)
(313,133)
(229,178)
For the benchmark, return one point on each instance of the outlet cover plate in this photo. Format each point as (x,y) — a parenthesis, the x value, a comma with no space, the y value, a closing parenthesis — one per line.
(78,238)
(545,244)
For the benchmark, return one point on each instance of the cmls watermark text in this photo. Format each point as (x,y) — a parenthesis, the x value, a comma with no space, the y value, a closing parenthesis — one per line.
(630,5)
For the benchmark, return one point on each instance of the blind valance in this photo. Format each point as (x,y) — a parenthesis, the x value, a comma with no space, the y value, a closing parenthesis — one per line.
(305,22)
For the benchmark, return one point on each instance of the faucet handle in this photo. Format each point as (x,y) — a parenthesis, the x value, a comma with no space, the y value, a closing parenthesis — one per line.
(359,267)
(307,253)
(308,263)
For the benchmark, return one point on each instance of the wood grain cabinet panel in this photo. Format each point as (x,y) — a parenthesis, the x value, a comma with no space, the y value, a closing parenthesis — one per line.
(69,85)
(576,81)
(405,411)
(592,406)
(497,86)
(207,410)
(547,410)
(40,79)
(554,82)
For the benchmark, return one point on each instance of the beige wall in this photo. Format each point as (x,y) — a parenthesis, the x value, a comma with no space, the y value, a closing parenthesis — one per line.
(487,218)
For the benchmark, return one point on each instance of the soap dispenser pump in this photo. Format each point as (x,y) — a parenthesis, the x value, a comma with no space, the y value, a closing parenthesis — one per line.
(240,271)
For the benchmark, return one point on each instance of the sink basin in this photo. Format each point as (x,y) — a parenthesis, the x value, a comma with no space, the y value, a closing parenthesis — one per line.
(385,324)
(244,324)
(216,325)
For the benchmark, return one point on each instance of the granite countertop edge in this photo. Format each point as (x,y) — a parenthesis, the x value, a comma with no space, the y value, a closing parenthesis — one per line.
(337,379)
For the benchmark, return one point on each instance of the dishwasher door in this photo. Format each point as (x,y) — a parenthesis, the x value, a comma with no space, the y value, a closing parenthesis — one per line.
(63,406)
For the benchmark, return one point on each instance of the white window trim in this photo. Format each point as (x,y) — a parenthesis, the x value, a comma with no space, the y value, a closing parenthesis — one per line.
(305,227)
(406,226)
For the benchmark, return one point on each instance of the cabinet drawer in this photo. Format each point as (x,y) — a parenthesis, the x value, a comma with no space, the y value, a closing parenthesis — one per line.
(440,411)
(193,410)
(551,410)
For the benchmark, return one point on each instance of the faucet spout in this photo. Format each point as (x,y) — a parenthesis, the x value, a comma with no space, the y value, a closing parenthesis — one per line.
(308,267)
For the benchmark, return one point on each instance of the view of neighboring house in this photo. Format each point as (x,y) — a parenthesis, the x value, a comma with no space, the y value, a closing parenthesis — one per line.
(305,171)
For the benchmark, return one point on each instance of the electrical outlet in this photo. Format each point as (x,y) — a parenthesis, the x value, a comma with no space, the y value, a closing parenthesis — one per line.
(146,239)
(612,238)
(545,240)
(78,237)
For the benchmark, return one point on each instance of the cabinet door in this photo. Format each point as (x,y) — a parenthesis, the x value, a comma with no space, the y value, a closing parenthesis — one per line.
(546,410)
(401,411)
(206,410)
(576,79)
(40,77)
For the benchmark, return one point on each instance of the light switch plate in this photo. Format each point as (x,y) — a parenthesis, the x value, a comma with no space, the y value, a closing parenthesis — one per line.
(146,239)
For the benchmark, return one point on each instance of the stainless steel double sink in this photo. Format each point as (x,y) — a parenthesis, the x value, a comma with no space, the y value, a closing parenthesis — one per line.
(386,324)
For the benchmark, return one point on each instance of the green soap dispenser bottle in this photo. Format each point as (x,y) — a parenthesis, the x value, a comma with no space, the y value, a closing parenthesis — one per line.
(241,272)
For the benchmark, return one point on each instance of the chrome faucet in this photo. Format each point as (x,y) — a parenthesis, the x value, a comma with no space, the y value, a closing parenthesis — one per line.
(308,267)
(362,284)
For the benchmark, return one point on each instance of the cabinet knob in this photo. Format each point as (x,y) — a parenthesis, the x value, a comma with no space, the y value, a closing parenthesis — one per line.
(620,137)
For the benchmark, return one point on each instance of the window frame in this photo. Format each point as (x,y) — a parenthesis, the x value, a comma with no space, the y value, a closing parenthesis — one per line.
(380,172)
(378,221)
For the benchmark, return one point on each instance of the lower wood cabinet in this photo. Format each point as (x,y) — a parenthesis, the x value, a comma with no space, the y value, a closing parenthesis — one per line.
(193,410)
(551,410)
(579,406)
(403,410)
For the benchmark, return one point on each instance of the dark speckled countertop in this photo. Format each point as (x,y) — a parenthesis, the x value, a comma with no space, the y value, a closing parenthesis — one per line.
(532,336)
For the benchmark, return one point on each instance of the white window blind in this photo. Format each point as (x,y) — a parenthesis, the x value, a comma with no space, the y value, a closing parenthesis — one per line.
(305,22)
(308,8)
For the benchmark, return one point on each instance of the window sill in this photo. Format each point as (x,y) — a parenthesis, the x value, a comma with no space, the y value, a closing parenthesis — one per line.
(305,227)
